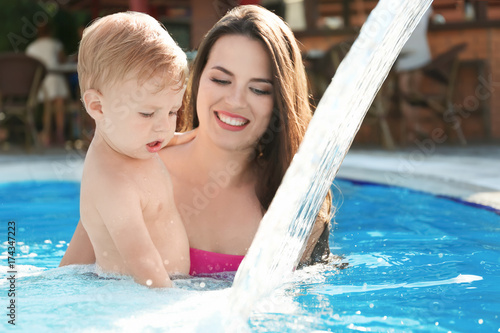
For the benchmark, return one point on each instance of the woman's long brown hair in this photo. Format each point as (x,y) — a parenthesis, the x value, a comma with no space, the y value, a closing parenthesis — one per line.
(291,114)
(292,111)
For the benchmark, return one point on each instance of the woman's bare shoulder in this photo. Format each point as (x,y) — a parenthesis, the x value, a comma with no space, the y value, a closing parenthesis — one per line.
(177,147)
(177,159)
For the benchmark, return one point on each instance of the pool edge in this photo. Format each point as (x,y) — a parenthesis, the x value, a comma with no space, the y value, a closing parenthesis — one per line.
(436,185)
(69,167)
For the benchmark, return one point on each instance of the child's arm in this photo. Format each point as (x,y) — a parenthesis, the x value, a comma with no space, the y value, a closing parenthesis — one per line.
(122,214)
(80,250)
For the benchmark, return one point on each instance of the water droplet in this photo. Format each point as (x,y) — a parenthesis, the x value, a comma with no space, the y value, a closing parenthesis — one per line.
(440,255)
(202,284)
(48,241)
(371,305)
(480,321)
(149,282)
(166,262)
(436,323)
(358,312)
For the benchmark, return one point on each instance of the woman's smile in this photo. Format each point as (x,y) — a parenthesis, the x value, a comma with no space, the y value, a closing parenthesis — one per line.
(231,121)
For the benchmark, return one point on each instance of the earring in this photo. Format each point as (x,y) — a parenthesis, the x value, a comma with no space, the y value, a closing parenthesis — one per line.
(260,150)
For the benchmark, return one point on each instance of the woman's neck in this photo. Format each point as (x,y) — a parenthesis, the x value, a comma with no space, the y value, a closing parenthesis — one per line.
(235,167)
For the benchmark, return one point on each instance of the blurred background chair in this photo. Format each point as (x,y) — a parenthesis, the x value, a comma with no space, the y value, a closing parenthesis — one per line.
(443,69)
(20,80)
(321,73)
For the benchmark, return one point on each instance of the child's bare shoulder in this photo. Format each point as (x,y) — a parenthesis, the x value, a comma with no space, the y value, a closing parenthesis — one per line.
(126,180)
(107,176)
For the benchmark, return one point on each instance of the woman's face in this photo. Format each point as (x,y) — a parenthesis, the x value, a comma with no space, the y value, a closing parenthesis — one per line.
(235,95)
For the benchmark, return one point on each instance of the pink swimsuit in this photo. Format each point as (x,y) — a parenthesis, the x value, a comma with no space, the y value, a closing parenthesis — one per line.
(203,262)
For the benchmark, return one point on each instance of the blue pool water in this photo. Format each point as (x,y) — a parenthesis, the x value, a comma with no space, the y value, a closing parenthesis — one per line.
(415,263)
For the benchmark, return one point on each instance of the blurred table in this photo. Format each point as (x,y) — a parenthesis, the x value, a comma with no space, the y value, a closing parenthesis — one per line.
(66,68)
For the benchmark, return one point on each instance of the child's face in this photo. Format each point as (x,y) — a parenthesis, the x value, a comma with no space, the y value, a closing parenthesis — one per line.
(139,120)
(235,94)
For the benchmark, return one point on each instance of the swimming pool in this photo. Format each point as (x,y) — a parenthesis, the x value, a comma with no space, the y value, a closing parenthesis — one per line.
(416,263)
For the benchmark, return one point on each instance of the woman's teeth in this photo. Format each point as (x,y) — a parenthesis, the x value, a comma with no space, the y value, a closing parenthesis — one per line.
(231,121)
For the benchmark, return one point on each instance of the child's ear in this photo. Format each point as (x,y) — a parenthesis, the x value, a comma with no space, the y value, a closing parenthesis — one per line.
(93,103)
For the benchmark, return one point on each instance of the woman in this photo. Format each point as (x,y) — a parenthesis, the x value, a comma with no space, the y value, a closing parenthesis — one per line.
(247,96)
(55,91)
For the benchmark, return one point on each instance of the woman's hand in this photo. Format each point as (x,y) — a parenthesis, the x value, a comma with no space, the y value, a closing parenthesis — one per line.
(182,138)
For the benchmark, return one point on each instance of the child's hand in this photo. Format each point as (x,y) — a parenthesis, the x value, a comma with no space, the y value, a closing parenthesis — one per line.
(182,138)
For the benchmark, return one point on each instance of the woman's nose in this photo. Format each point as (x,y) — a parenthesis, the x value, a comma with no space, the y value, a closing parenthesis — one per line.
(237,97)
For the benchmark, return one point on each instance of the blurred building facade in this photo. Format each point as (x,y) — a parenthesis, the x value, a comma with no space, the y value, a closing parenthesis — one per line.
(319,24)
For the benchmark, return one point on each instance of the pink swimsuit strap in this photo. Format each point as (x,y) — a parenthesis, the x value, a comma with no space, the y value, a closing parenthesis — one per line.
(203,262)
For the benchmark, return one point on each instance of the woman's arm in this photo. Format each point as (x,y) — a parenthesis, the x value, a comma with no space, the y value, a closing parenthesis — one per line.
(318,247)
(80,250)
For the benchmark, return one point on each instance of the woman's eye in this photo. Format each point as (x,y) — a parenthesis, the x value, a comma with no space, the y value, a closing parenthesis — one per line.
(223,82)
(146,115)
(260,92)
(172,113)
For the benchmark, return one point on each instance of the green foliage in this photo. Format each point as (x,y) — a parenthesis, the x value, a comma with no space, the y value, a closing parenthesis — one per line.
(15,31)
(20,19)
(66,31)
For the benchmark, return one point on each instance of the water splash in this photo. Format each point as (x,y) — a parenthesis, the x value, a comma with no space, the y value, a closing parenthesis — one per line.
(280,240)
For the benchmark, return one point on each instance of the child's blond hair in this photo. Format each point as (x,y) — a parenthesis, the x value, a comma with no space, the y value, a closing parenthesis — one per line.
(120,45)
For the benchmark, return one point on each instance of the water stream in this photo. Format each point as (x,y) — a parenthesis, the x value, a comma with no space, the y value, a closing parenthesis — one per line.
(280,240)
